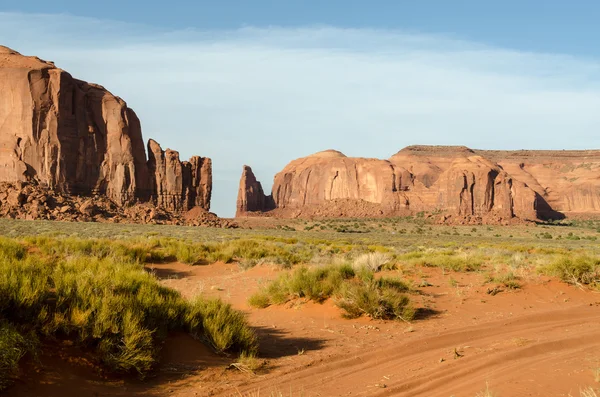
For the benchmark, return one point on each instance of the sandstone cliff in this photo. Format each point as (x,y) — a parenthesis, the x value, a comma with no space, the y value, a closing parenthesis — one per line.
(460,184)
(77,138)
(566,181)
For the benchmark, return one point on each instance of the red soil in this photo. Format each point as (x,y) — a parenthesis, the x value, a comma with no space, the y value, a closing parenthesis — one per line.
(538,341)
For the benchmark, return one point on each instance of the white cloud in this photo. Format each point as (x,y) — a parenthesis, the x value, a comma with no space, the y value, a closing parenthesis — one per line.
(264,96)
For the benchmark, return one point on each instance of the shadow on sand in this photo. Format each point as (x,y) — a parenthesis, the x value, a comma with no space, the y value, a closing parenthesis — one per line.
(275,343)
(66,371)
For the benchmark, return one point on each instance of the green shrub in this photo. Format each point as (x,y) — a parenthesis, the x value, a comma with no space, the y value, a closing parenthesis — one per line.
(579,269)
(356,292)
(111,306)
(316,284)
(259,300)
(377,300)
(221,326)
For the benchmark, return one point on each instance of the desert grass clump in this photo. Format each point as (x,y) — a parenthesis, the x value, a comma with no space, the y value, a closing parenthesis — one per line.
(580,269)
(357,292)
(317,284)
(382,298)
(222,327)
(373,261)
(508,280)
(109,305)
(284,252)
(260,300)
(192,253)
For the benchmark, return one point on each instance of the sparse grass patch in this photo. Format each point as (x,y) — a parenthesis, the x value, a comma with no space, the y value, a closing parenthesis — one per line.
(588,392)
(507,279)
(249,363)
(272,393)
(487,392)
(445,259)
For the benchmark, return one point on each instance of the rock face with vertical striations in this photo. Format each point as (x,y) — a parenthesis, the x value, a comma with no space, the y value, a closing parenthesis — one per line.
(463,183)
(565,181)
(251,197)
(459,184)
(67,134)
(76,138)
(178,185)
(197,173)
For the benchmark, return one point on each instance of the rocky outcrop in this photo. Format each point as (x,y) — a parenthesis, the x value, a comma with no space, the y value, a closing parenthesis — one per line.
(459,184)
(76,138)
(178,185)
(251,197)
(21,200)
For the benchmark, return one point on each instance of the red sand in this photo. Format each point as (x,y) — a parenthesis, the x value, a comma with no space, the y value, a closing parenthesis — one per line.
(538,341)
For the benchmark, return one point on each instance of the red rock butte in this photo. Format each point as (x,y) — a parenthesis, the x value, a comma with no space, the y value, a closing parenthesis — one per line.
(75,138)
(460,184)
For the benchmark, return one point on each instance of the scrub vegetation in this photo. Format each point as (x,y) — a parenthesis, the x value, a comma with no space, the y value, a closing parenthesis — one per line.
(97,293)
(86,282)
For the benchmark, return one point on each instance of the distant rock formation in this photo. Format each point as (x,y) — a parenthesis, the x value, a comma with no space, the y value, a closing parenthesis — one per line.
(459,184)
(177,185)
(251,197)
(76,138)
(567,182)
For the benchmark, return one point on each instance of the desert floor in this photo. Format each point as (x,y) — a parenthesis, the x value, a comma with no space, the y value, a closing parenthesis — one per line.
(540,339)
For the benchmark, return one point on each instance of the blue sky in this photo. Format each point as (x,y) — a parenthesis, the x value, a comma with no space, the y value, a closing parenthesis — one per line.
(264,82)
(533,25)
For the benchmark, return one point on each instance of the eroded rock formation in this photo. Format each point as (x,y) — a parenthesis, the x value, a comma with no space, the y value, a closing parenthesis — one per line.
(178,185)
(251,197)
(76,138)
(460,184)
(566,181)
